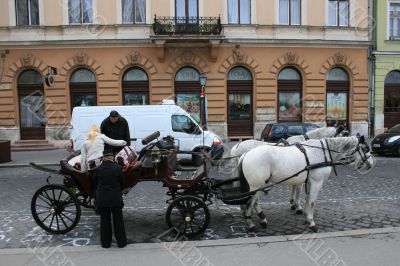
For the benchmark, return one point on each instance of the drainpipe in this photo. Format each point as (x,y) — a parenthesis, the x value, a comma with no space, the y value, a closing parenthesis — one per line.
(372,63)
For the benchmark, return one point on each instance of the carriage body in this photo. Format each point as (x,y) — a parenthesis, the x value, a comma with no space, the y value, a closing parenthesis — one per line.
(57,207)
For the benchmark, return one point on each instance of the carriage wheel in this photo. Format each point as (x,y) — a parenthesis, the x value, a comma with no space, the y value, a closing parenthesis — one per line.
(55,209)
(189,215)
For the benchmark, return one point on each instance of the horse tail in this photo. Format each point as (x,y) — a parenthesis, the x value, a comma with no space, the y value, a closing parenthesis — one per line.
(244,185)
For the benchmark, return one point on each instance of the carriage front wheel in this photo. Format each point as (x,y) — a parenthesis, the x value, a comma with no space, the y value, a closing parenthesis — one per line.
(55,209)
(189,215)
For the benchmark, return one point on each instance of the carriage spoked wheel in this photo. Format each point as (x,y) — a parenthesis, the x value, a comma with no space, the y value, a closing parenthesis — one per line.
(55,209)
(189,215)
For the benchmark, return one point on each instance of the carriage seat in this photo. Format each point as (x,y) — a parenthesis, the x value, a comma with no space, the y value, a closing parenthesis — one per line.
(65,166)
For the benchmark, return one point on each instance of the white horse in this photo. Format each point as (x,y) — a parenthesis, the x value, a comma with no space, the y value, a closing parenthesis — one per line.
(276,163)
(247,145)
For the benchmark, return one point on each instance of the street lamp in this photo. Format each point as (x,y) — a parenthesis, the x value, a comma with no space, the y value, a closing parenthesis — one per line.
(203,81)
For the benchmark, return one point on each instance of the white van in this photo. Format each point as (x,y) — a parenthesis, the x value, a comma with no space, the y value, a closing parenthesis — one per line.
(143,120)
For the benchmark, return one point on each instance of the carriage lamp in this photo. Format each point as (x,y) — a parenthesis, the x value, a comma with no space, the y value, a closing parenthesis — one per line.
(203,81)
(155,156)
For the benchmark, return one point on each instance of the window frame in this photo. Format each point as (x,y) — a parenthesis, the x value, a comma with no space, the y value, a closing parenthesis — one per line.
(134,12)
(337,24)
(81,14)
(239,14)
(338,86)
(290,14)
(389,36)
(290,86)
(28,2)
(139,87)
(82,88)
(187,9)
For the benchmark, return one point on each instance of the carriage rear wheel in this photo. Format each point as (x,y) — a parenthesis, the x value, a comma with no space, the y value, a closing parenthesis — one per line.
(189,215)
(55,209)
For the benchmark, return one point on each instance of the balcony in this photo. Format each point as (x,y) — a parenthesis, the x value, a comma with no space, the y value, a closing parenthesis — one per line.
(172,26)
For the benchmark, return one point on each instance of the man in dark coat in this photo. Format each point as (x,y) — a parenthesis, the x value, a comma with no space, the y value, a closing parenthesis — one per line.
(107,179)
(115,127)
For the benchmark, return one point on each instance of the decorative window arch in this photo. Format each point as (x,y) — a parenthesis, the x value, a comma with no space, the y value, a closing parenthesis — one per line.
(187,91)
(337,97)
(392,99)
(290,88)
(31,105)
(135,87)
(82,86)
(240,102)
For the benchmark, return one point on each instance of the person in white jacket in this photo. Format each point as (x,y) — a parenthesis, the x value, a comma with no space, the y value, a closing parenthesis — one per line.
(93,147)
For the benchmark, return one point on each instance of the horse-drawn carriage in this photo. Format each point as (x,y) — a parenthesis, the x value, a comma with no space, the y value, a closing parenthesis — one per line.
(57,207)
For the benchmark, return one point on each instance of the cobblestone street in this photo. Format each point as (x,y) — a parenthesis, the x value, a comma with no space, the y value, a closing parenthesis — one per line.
(348,201)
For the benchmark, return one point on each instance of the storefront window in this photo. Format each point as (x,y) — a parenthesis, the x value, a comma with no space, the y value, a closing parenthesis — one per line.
(83,88)
(337,97)
(135,87)
(187,91)
(289,95)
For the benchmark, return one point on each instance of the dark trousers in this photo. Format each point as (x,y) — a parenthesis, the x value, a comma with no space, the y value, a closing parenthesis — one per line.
(105,226)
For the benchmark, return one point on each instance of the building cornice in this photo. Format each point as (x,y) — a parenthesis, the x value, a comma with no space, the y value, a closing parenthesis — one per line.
(386,53)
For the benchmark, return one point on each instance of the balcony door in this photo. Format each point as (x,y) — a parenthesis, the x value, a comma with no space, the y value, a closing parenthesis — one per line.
(31,105)
(187,11)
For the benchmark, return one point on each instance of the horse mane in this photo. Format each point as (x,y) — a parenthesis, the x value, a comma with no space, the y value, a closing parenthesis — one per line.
(342,144)
(319,133)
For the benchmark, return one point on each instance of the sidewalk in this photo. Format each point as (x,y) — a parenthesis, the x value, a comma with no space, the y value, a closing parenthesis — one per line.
(358,247)
(46,157)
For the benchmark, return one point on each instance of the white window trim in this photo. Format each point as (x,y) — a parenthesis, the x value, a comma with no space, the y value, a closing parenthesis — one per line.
(65,12)
(12,19)
(95,13)
(352,19)
(118,8)
(388,16)
(41,13)
(253,12)
(171,8)
(303,14)
(201,8)
(148,12)
(12,11)
(224,19)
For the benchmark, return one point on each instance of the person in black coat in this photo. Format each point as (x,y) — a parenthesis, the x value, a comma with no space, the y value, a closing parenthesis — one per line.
(108,182)
(115,127)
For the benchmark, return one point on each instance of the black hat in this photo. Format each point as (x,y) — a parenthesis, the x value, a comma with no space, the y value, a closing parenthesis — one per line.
(107,153)
(114,113)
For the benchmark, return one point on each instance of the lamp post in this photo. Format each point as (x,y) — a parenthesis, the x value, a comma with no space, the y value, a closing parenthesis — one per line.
(203,81)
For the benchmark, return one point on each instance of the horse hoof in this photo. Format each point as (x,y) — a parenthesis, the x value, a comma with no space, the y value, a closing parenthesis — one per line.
(314,228)
(299,212)
(263,225)
(292,207)
(252,229)
(291,201)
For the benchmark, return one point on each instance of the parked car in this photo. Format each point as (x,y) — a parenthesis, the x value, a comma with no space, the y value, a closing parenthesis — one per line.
(275,131)
(388,142)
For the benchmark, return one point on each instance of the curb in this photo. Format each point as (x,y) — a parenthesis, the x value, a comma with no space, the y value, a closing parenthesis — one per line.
(221,242)
(15,165)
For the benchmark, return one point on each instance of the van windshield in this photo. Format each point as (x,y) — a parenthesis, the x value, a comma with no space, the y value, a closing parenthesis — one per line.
(182,123)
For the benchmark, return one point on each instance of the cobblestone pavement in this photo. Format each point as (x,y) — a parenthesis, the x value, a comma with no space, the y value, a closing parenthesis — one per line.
(348,201)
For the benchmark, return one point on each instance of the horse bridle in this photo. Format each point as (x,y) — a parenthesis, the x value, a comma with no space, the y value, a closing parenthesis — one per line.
(363,154)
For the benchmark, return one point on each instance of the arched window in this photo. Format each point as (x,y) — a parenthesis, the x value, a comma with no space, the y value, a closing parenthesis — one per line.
(289,95)
(392,99)
(31,105)
(240,102)
(337,97)
(82,86)
(135,87)
(187,91)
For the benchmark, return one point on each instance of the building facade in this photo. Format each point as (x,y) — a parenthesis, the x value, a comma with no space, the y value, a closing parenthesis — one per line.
(265,61)
(387,65)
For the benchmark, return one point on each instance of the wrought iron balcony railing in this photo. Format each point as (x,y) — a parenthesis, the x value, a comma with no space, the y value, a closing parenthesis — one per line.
(187,25)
